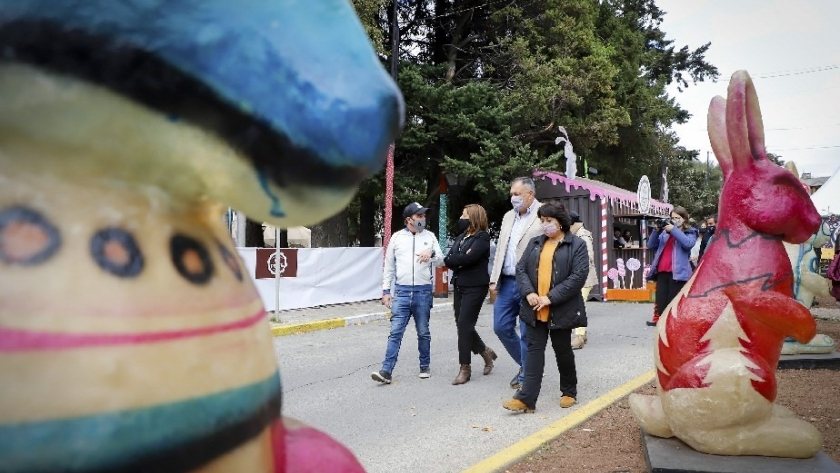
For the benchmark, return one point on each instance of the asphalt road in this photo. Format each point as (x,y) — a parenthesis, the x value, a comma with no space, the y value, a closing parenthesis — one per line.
(417,425)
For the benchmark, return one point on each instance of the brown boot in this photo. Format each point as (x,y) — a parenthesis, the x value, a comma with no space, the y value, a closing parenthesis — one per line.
(463,375)
(489,355)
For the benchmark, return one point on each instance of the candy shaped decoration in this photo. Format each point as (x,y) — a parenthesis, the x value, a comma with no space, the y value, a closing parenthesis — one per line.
(633,265)
(131,338)
(621,271)
(613,275)
(718,342)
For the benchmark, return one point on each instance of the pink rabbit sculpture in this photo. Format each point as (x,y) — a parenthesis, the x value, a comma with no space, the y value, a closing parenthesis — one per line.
(718,343)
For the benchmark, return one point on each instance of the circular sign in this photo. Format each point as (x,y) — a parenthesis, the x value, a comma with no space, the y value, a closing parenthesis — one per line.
(643,193)
(273,267)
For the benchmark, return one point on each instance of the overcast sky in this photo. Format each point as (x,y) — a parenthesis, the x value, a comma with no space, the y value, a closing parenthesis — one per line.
(797,42)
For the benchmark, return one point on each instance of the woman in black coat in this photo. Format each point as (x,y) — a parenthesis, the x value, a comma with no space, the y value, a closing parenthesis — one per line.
(550,275)
(468,259)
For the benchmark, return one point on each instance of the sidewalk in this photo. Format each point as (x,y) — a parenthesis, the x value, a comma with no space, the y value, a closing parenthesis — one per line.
(288,322)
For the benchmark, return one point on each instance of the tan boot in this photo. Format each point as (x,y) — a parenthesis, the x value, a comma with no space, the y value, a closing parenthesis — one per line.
(489,355)
(517,406)
(463,375)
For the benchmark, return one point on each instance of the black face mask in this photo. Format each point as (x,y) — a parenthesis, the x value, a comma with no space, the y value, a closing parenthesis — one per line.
(702,230)
(463,225)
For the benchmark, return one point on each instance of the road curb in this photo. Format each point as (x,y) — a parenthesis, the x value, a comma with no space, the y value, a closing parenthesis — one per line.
(365,318)
(521,449)
(306,327)
(281,330)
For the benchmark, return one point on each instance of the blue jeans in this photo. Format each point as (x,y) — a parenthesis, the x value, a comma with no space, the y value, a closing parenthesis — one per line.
(405,303)
(505,316)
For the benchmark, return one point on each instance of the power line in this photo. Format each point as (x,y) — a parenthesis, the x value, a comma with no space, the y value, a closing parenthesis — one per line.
(806,147)
(782,129)
(802,128)
(796,72)
(466,9)
(800,72)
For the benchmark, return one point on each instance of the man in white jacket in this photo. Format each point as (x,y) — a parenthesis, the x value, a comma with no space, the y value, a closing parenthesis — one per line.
(411,254)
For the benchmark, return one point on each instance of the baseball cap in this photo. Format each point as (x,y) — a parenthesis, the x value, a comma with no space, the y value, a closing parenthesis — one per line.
(575,216)
(413,209)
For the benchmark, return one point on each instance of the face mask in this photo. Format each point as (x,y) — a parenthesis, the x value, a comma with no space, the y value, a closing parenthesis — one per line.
(550,229)
(463,225)
(702,229)
(677,221)
(711,228)
(517,201)
(420,224)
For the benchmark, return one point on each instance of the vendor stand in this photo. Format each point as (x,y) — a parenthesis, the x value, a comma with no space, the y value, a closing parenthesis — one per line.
(603,207)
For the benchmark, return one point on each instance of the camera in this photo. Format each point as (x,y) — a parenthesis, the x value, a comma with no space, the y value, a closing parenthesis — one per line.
(662,222)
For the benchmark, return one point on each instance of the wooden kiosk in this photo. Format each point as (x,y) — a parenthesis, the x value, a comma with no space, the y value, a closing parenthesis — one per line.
(602,208)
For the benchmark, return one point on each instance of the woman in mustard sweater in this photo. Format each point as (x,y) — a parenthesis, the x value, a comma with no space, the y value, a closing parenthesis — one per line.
(550,275)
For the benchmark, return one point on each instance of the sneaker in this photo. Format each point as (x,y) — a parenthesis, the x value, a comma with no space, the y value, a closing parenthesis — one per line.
(651,323)
(381,376)
(516,405)
(425,373)
(567,401)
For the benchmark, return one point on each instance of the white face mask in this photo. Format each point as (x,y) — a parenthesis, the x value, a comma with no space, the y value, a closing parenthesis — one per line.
(550,229)
(517,201)
(677,221)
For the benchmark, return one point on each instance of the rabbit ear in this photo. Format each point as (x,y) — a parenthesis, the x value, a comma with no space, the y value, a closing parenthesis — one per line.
(743,118)
(716,124)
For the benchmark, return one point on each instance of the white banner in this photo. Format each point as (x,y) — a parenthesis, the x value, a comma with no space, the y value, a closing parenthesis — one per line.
(324,276)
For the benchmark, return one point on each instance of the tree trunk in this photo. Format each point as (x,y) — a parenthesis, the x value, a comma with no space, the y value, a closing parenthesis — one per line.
(367,230)
(332,232)
(254,234)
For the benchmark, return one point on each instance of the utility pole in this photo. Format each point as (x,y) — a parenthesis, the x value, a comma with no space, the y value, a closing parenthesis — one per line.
(663,188)
(395,39)
(389,165)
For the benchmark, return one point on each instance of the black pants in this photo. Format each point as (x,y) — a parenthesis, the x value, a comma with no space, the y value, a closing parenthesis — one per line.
(666,290)
(468,302)
(561,342)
